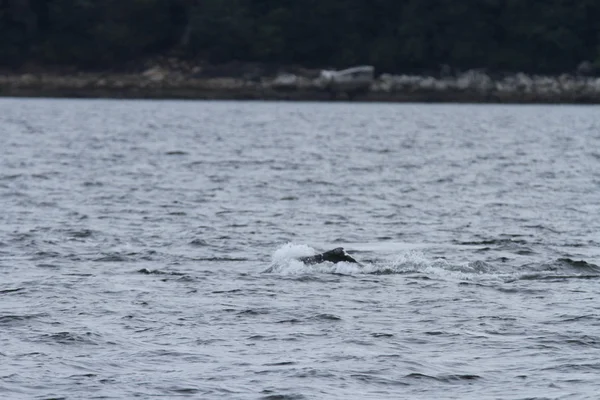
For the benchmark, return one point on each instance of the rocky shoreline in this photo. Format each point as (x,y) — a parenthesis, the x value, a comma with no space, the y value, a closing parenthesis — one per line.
(158,82)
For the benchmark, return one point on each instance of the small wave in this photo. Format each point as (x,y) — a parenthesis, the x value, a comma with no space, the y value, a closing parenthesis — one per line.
(254,311)
(219,259)
(71,338)
(282,396)
(575,318)
(585,341)
(560,269)
(92,184)
(260,337)
(147,271)
(570,367)
(371,378)
(515,245)
(76,376)
(9,177)
(185,391)
(227,291)
(313,373)
(111,258)
(445,378)
(83,233)
(579,265)
(327,317)
(488,242)
(9,319)
(22,237)
(178,213)
(289,321)
(40,255)
(6,291)
(551,277)
(382,335)
(278,364)
(40,176)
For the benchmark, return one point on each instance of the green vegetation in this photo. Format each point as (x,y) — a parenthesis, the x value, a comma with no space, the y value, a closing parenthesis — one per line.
(543,36)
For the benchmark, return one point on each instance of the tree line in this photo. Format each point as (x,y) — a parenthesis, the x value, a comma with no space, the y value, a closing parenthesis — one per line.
(541,36)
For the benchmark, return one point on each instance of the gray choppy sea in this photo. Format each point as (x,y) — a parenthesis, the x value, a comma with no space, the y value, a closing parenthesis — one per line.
(147,250)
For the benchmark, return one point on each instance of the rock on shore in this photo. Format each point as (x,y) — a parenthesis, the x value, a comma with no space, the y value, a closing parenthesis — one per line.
(195,82)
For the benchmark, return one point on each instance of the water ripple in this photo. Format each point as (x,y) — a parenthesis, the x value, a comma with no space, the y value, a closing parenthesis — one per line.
(149,249)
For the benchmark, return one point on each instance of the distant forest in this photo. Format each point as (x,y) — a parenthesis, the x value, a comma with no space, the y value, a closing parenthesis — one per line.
(541,36)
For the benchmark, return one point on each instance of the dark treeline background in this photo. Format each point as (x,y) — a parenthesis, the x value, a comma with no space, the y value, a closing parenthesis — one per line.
(543,36)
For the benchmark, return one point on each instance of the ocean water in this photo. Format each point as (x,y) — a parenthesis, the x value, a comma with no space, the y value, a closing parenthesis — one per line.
(148,250)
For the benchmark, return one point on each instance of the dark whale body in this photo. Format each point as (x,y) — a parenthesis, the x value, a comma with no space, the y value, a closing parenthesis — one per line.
(335,256)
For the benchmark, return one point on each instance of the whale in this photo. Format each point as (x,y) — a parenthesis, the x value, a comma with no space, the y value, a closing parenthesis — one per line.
(334,256)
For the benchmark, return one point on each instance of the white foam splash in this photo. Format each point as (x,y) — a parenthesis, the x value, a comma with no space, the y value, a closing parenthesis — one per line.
(291,251)
(285,261)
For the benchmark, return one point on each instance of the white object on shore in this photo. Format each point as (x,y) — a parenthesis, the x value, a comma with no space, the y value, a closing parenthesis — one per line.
(348,80)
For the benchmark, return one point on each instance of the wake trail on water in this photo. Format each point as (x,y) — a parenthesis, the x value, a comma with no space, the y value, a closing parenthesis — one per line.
(285,261)
(415,263)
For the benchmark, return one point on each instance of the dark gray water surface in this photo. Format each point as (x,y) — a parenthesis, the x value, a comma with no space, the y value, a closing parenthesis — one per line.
(146,250)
